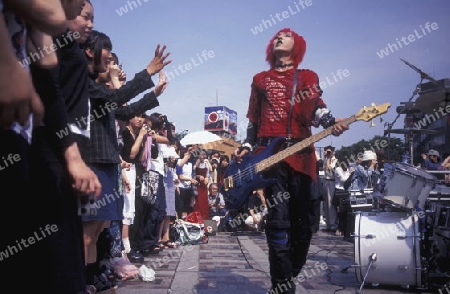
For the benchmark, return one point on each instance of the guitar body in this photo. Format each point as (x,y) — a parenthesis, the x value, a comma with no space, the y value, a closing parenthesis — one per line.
(240,180)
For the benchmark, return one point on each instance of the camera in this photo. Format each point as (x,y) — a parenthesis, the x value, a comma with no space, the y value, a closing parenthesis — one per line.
(328,152)
(86,205)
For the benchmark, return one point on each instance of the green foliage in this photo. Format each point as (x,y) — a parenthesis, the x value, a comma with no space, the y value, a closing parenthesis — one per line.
(389,149)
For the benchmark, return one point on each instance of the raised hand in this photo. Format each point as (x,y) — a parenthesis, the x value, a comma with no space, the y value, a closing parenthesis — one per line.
(162,84)
(159,61)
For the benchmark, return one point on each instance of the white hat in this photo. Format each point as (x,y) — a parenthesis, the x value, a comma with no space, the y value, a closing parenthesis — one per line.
(369,155)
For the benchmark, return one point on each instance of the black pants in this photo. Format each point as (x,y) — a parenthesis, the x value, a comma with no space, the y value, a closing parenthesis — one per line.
(315,214)
(15,177)
(288,225)
(141,214)
(64,248)
(156,215)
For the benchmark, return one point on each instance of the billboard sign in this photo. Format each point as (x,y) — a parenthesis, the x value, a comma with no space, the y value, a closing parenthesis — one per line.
(220,118)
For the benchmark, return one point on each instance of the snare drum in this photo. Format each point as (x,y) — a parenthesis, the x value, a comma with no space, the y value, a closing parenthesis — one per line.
(394,238)
(406,186)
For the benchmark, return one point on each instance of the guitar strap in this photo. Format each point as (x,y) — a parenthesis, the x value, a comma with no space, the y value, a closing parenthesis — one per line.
(294,89)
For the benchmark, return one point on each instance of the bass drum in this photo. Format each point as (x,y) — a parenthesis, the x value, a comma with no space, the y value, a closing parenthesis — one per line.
(395,239)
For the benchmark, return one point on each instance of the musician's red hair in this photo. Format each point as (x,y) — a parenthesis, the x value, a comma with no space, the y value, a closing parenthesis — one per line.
(297,53)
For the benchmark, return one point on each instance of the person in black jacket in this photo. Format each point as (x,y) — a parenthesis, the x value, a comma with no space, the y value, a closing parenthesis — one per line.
(104,157)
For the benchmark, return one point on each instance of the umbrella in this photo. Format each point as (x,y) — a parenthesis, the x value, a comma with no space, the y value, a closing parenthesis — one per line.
(199,137)
(226,146)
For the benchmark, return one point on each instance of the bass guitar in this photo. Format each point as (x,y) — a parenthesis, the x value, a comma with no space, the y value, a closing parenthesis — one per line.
(241,179)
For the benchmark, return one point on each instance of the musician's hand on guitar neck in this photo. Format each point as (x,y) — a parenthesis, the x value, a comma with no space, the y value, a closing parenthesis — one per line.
(339,127)
(239,154)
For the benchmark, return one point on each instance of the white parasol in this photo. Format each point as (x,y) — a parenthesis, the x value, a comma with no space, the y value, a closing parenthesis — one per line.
(199,137)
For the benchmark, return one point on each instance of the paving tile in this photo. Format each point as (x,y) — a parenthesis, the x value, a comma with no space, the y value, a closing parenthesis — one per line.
(239,265)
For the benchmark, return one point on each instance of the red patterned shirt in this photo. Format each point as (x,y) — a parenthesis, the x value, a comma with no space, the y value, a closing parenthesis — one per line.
(270,106)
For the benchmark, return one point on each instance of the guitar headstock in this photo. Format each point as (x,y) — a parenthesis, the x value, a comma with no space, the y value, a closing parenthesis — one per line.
(368,113)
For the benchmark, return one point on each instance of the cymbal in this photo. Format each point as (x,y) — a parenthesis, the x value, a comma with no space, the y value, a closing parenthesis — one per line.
(430,102)
(411,131)
(419,71)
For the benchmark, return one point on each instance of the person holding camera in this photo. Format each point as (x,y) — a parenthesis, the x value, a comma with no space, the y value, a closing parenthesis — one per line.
(366,174)
(216,203)
(329,210)
(431,160)
(134,135)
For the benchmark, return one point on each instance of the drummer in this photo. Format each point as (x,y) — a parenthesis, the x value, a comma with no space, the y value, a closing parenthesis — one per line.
(366,174)
(431,160)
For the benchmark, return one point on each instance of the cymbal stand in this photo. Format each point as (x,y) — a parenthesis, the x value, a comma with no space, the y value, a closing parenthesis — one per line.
(411,148)
(390,125)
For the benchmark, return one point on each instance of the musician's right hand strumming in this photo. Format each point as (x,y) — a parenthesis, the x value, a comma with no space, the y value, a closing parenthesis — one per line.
(240,152)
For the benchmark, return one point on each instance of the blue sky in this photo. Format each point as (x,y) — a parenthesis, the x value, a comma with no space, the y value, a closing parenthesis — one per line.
(232,36)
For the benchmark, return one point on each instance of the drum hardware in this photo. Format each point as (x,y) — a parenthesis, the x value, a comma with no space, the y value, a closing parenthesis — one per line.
(361,199)
(408,108)
(369,236)
(410,132)
(372,259)
(441,175)
(404,237)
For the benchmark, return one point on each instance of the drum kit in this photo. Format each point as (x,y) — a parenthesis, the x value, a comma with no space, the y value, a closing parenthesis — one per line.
(404,239)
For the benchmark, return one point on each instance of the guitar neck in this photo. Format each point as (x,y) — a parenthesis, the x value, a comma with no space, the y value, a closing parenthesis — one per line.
(268,162)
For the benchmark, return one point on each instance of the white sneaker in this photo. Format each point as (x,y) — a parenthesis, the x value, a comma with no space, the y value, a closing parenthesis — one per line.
(322,221)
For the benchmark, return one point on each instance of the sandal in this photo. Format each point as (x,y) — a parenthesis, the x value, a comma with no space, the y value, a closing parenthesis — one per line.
(170,244)
(162,245)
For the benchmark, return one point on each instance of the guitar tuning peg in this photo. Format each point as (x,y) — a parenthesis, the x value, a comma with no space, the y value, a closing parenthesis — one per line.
(372,124)
(381,119)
